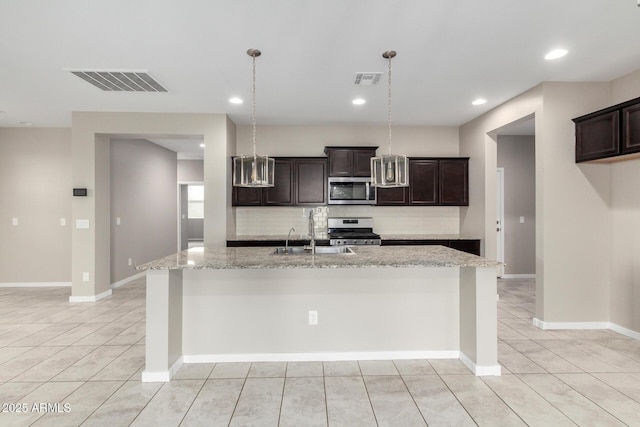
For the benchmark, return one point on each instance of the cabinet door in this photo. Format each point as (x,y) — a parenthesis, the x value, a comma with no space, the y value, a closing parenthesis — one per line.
(244,196)
(598,137)
(281,194)
(423,182)
(311,181)
(392,196)
(454,182)
(631,129)
(362,162)
(340,162)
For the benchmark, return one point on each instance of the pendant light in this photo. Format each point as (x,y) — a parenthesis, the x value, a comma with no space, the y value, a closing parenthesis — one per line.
(389,170)
(253,171)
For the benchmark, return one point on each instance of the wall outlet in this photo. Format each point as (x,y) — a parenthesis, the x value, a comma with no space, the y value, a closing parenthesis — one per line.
(85,276)
(130,261)
(118,221)
(521,220)
(313,317)
(63,222)
(14,221)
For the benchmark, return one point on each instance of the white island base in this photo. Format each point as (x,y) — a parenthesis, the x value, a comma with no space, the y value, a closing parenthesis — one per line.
(366,313)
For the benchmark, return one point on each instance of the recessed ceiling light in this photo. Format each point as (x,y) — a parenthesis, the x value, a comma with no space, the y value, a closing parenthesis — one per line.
(235,100)
(555,54)
(201,145)
(358,101)
(479,101)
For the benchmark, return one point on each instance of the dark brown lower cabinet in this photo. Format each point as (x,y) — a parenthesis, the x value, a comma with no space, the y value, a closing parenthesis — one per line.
(471,246)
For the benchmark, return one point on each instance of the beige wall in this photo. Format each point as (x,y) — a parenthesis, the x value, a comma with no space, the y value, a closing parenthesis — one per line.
(35,187)
(516,154)
(575,210)
(311,140)
(144,198)
(190,170)
(625,223)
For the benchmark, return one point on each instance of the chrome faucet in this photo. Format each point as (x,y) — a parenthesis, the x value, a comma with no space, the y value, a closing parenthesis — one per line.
(312,231)
(286,242)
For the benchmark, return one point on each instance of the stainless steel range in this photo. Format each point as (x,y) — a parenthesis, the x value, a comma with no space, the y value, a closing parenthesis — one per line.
(352,231)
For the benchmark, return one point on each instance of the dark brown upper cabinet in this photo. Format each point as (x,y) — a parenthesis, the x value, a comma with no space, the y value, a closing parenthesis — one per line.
(598,137)
(396,196)
(298,181)
(423,182)
(453,182)
(607,134)
(631,129)
(311,181)
(350,161)
(432,182)
(282,192)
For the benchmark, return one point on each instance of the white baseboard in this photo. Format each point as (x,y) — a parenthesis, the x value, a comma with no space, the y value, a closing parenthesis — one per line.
(34,284)
(90,298)
(481,370)
(586,326)
(162,376)
(624,331)
(518,276)
(127,280)
(320,357)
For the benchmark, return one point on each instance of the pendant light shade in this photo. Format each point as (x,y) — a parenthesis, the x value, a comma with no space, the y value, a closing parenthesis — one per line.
(389,170)
(253,170)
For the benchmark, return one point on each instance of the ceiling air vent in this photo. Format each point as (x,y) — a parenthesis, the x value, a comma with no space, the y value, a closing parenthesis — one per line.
(121,81)
(367,79)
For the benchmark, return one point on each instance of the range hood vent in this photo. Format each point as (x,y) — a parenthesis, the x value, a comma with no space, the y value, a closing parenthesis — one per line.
(120,81)
(367,79)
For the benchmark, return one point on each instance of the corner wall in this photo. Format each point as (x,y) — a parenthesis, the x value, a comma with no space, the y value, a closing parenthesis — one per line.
(625,223)
(35,188)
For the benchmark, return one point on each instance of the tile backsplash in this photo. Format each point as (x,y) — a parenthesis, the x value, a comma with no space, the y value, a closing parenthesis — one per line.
(386,219)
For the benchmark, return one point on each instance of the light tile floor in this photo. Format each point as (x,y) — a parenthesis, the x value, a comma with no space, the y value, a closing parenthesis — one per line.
(65,364)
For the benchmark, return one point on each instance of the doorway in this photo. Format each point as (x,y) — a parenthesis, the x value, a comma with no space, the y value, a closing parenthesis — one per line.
(500,220)
(190,215)
(516,199)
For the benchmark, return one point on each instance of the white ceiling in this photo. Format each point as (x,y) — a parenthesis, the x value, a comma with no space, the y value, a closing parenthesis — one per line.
(449,53)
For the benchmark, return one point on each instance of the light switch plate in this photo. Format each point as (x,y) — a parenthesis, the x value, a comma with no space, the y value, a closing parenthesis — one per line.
(63,222)
(14,221)
(82,223)
(85,276)
(521,220)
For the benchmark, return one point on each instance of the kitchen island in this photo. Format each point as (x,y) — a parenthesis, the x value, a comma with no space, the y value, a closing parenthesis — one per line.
(247,304)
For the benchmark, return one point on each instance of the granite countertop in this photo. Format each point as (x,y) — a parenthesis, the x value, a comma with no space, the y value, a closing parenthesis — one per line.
(324,236)
(365,256)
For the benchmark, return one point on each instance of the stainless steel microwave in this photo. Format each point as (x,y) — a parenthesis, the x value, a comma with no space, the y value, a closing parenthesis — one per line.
(351,191)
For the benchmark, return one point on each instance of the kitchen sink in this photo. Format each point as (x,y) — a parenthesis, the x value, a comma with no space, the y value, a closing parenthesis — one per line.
(320,250)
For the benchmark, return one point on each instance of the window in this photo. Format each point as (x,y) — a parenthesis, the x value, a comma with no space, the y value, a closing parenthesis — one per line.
(195,198)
